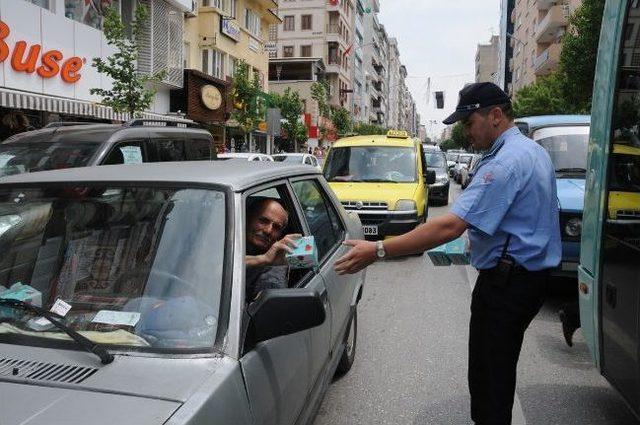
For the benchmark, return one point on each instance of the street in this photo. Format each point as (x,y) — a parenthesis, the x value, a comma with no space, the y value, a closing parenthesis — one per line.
(411,360)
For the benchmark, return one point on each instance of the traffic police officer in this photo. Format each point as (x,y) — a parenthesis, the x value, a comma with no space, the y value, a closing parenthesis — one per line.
(511,213)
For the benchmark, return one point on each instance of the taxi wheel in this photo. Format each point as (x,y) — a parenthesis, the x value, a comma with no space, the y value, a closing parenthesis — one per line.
(349,353)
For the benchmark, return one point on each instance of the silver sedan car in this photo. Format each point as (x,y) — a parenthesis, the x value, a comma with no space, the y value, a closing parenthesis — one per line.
(123,297)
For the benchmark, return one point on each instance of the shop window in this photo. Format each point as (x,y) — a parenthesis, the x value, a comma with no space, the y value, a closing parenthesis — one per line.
(89,13)
(305,51)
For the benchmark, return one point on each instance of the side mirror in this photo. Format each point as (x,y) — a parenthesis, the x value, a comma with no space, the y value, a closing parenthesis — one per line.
(430,177)
(279,312)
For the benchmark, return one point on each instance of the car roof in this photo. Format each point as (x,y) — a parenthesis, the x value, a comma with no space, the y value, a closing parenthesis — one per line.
(235,174)
(290,154)
(374,140)
(240,154)
(554,120)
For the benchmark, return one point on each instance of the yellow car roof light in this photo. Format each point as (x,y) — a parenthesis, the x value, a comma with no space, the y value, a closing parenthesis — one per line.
(397,134)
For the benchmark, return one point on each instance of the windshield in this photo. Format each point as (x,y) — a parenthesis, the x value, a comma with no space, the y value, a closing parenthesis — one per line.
(435,160)
(139,266)
(625,173)
(465,159)
(567,147)
(452,156)
(371,164)
(287,158)
(18,158)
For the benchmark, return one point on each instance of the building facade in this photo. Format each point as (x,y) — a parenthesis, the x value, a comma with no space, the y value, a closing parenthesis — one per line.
(537,38)
(396,79)
(218,35)
(52,80)
(487,60)
(504,75)
(360,96)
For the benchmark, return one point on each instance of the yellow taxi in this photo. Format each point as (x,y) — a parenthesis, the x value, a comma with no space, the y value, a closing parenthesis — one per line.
(383,179)
(624,196)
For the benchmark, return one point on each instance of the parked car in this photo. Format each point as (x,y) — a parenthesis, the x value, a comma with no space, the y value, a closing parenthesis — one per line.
(144,267)
(249,156)
(83,145)
(297,158)
(438,191)
(452,159)
(466,173)
(565,137)
(464,160)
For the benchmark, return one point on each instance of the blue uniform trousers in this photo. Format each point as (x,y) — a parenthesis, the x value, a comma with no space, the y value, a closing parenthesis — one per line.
(500,314)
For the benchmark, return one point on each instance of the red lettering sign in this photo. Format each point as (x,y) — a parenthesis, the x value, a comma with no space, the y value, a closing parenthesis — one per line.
(24,58)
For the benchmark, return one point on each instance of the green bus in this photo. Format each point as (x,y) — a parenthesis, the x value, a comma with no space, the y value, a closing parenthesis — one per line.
(609,271)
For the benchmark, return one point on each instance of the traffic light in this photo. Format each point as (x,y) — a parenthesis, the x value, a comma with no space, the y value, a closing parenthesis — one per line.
(440,100)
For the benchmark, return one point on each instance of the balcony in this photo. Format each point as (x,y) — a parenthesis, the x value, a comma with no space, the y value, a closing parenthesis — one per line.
(552,24)
(547,61)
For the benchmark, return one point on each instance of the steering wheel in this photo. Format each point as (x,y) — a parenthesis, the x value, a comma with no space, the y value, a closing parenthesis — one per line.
(394,175)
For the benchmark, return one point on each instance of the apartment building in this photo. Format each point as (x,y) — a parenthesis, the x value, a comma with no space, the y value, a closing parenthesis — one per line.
(395,81)
(321,29)
(487,57)
(376,47)
(536,39)
(218,35)
(74,28)
(360,98)
(504,76)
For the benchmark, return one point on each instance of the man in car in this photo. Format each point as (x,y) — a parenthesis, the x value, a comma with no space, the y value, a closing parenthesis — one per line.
(266,248)
(510,211)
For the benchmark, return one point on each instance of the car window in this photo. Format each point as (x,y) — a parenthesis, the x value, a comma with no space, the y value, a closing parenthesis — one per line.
(129,152)
(307,161)
(17,158)
(199,150)
(169,149)
(314,161)
(320,215)
(255,158)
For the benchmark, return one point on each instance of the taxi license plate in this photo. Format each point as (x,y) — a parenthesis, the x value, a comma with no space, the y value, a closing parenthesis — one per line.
(370,230)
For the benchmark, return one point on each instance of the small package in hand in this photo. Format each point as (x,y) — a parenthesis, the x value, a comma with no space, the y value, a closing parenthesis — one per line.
(304,255)
(457,253)
(438,256)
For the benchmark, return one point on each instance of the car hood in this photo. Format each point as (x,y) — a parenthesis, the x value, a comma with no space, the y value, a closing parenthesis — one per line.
(158,385)
(570,194)
(376,192)
(24,404)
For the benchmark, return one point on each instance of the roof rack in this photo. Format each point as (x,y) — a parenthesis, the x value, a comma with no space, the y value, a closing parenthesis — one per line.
(56,124)
(161,123)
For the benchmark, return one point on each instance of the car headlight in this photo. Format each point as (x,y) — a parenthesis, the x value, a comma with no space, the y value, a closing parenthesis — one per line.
(406,205)
(573,227)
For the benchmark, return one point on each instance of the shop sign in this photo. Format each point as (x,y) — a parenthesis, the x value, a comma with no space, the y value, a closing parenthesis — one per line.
(211,97)
(270,47)
(230,28)
(254,44)
(47,65)
(262,126)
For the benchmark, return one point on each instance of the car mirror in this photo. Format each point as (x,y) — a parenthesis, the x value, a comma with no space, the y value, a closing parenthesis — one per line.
(279,312)
(430,177)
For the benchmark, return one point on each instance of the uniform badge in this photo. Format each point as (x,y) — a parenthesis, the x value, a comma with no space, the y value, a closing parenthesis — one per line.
(488,177)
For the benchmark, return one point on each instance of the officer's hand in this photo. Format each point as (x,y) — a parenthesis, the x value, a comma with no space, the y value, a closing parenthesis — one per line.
(276,254)
(360,256)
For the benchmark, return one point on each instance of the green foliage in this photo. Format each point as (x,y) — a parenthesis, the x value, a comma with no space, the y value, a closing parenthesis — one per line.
(579,54)
(341,120)
(290,106)
(320,93)
(128,92)
(246,94)
(544,97)
(365,129)
(457,140)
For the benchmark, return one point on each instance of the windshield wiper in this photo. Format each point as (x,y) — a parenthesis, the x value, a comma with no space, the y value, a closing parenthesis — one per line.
(379,181)
(84,342)
(571,170)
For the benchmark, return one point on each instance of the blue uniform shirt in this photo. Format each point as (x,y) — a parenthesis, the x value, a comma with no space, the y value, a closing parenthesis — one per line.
(513,191)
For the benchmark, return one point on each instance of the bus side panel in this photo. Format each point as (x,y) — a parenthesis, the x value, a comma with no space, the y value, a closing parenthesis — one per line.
(599,147)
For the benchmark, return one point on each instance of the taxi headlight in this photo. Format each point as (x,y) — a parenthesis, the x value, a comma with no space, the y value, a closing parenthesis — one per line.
(573,227)
(406,205)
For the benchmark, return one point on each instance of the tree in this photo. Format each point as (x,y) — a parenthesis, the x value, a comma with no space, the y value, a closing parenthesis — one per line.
(129,92)
(457,139)
(579,54)
(320,93)
(246,91)
(366,129)
(290,106)
(341,120)
(544,97)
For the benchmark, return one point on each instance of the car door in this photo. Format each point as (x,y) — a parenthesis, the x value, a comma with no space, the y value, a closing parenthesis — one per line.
(280,373)
(329,232)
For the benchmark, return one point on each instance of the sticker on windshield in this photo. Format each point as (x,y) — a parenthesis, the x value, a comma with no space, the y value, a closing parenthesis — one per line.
(109,317)
(132,154)
(60,307)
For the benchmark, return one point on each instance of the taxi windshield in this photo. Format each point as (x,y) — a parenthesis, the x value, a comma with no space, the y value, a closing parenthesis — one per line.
(625,173)
(18,158)
(139,267)
(390,164)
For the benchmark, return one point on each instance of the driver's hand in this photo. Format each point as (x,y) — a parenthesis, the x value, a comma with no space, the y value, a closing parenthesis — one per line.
(276,254)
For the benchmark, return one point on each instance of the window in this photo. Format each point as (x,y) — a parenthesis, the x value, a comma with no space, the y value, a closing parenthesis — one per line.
(289,23)
(252,22)
(129,152)
(42,3)
(88,13)
(323,221)
(305,51)
(287,51)
(213,63)
(185,55)
(169,150)
(307,22)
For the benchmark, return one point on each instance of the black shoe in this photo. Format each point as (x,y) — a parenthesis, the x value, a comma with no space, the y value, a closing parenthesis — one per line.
(567,329)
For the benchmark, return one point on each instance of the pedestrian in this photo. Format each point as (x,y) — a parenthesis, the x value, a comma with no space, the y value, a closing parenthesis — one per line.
(14,122)
(510,211)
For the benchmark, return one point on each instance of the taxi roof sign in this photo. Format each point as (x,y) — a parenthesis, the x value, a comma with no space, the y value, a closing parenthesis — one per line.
(398,134)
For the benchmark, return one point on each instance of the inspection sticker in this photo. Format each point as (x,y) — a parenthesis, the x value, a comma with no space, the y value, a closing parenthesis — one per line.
(109,317)
(60,307)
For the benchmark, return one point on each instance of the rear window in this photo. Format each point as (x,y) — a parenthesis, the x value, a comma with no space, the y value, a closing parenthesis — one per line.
(18,158)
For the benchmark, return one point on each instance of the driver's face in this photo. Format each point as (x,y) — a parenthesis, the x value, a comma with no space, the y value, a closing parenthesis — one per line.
(265,227)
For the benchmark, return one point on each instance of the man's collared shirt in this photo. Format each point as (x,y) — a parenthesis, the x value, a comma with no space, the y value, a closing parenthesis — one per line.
(513,192)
